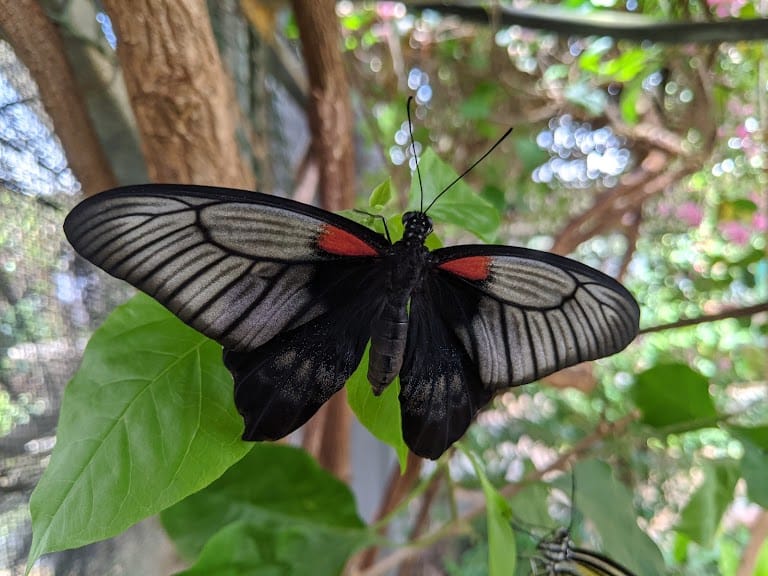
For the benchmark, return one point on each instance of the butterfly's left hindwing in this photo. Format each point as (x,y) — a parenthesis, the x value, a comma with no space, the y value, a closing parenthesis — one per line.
(281,384)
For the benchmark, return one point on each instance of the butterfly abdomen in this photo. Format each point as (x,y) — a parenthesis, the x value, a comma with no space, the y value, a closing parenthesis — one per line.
(388,338)
(404,268)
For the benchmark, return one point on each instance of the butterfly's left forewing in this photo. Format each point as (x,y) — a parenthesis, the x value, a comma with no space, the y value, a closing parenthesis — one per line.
(238,266)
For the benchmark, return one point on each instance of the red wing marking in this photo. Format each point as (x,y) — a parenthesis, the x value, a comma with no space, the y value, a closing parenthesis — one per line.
(337,241)
(471,267)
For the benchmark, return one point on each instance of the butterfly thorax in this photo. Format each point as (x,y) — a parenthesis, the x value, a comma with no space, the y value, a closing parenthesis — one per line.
(555,548)
(403,268)
(417,226)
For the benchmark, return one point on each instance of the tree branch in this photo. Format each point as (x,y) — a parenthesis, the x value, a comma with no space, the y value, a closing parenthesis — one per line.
(730,313)
(619,25)
(758,534)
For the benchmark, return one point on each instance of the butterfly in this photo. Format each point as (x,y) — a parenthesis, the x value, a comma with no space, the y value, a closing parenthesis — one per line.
(295,293)
(559,557)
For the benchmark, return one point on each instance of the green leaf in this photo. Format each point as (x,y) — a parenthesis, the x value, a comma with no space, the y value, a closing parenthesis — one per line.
(530,506)
(609,506)
(628,101)
(460,205)
(529,154)
(379,414)
(754,463)
(502,547)
(481,102)
(273,547)
(147,420)
(701,516)
(740,210)
(381,194)
(628,65)
(671,394)
(273,485)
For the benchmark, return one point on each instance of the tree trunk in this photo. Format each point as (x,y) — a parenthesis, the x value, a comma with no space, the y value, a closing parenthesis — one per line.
(181,97)
(330,112)
(330,120)
(38,44)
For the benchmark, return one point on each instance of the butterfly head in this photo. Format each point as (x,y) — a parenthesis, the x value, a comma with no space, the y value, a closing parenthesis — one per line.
(417,227)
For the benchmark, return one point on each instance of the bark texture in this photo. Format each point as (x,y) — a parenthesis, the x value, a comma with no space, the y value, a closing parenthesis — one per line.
(38,44)
(179,92)
(330,112)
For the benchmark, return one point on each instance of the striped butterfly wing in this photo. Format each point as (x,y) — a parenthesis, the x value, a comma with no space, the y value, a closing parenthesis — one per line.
(286,288)
(492,317)
(238,266)
(559,557)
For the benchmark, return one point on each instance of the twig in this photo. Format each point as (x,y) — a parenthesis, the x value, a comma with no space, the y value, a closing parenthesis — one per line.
(758,534)
(731,313)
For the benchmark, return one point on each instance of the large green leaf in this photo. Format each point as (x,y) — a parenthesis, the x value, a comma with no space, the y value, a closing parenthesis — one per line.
(608,504)
(271,546)
(379,414)
(460,206)
(754,463)
(702,514)
(273,485)
(673,394)
(147,420)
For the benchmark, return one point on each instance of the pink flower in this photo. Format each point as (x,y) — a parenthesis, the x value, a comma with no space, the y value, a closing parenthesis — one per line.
(690,213)
(760,222)
(390,10)
(735,232)
(726,8)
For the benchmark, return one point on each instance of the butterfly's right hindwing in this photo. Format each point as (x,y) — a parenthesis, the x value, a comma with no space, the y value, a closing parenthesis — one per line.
(238,266)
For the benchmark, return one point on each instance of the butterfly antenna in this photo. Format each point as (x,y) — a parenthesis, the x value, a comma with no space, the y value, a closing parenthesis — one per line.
(413,149)
(468,170)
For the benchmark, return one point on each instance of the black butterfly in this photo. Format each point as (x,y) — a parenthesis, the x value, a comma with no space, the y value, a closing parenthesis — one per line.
(294,294)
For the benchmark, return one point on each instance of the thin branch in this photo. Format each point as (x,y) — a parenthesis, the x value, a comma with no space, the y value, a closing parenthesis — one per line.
(730,313)
(637,27)
(758,534)
(632,234)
